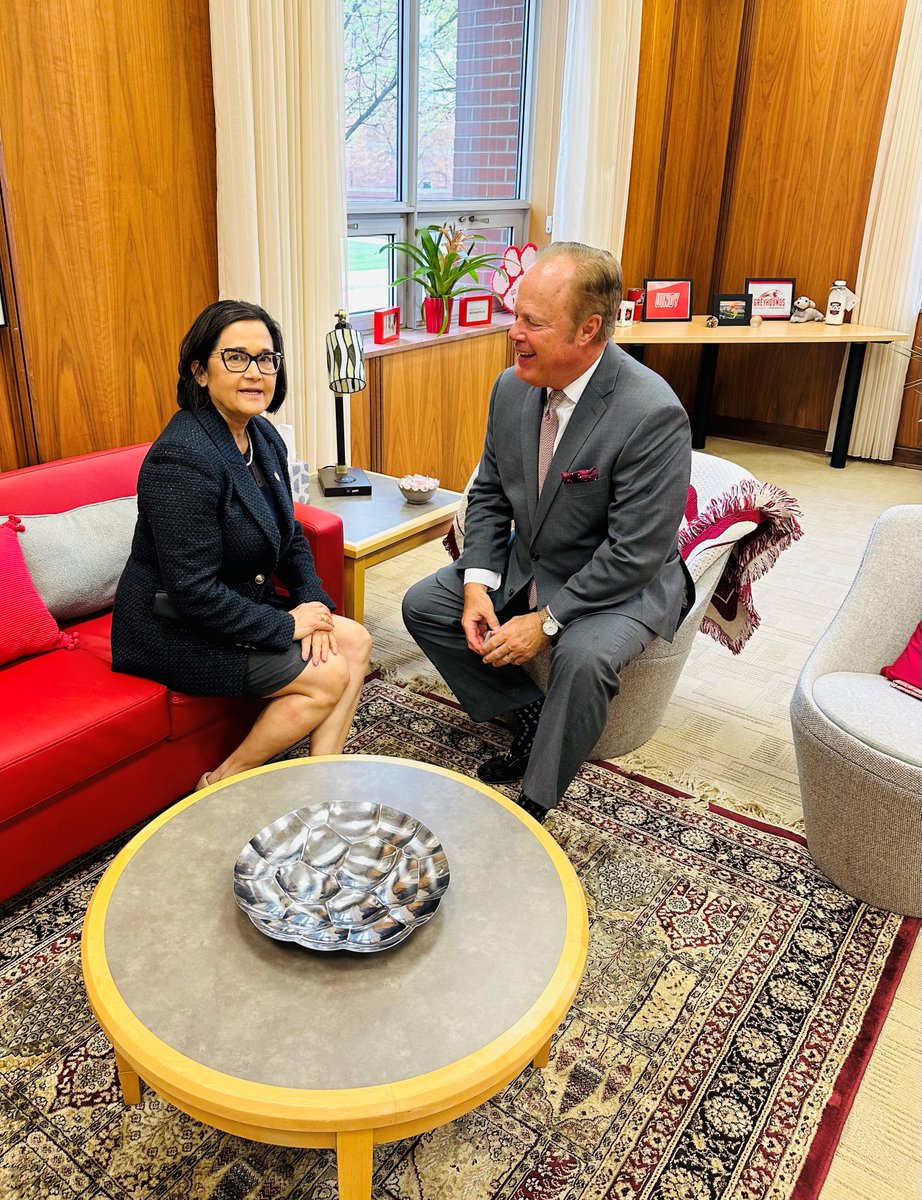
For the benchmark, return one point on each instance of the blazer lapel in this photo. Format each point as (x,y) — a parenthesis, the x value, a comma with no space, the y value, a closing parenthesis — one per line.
(591,407)
(248,491)
(532,412)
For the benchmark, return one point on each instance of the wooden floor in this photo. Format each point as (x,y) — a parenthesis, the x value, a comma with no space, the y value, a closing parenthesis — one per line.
(728,729)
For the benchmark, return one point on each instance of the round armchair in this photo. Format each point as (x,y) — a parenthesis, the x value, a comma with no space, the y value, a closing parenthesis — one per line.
(858,740)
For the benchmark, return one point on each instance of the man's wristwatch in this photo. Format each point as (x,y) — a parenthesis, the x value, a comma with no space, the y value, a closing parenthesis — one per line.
(548,625)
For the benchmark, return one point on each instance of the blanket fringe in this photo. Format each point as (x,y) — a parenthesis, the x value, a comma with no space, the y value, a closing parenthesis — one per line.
(705,792)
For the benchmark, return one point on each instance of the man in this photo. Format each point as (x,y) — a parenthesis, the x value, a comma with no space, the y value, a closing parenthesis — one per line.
(592,571)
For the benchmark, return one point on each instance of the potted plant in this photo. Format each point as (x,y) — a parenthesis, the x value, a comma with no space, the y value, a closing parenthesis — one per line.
(441,260)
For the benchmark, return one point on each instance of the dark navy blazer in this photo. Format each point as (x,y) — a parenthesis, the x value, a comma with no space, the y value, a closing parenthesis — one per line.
(208,538)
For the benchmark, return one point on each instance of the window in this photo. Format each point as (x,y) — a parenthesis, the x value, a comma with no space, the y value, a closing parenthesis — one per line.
(436,133)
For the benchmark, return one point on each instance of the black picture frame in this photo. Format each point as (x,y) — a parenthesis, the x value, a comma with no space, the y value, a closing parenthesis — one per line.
(772,296)
(732,308)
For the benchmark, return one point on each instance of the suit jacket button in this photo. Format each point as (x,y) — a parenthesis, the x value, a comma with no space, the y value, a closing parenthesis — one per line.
(535,557)
(260,579)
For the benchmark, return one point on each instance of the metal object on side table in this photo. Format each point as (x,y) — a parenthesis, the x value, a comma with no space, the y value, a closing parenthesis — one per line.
(352,875)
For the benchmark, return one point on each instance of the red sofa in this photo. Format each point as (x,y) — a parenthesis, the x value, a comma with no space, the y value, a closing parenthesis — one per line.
(85,753)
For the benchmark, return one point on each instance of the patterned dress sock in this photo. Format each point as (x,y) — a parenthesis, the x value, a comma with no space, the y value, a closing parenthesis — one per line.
(527,717)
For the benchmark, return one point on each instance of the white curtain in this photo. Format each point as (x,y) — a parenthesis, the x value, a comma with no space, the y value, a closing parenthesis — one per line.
(597,122)
(889,281)
(280,126)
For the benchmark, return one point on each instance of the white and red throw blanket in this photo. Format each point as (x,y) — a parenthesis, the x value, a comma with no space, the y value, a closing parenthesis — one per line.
(726,507)
(758,520)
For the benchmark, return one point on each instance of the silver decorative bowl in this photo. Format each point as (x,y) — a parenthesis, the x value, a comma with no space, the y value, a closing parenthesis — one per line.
(352,875)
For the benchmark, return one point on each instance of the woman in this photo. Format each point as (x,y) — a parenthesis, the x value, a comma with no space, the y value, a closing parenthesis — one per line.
(196,608)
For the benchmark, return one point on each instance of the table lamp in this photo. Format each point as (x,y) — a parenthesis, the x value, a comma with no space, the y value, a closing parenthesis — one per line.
(346,364)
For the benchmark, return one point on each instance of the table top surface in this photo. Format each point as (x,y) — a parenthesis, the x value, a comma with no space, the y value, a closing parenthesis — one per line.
(198,998)
(696,332)
(367,520)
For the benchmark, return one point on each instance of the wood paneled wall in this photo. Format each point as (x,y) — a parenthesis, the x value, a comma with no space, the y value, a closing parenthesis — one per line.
(107,129)
(425,408)
(755,143)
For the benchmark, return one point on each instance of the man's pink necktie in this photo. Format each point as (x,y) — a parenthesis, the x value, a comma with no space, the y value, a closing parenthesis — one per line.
(548,436)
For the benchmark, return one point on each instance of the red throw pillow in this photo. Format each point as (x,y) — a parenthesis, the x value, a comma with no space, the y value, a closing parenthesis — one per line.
(908,667)
(27,626)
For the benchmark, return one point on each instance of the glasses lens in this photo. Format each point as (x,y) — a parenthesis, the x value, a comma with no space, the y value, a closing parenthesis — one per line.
(268,363)
(235,360)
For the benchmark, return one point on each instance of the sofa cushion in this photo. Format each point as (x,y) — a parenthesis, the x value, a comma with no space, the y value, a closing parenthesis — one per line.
(908,667)
(869,709)
(95,635)
(76,558)
(65,717)
(27,626)
(188,713)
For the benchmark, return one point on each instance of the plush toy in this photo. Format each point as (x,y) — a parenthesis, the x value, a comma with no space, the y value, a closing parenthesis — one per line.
(805,310)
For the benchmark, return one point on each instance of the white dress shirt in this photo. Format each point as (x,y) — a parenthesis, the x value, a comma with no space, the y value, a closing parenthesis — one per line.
(573,391)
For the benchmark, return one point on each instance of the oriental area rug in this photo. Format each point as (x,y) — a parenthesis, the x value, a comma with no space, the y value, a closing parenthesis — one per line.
(731,999)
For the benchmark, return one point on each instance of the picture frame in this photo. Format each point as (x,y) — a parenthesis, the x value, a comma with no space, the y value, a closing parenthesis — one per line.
(667,300)
(475,310)
(772,298)
(386,325)
(732,308)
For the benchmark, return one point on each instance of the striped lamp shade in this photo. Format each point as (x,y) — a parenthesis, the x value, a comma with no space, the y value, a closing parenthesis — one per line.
(345,357)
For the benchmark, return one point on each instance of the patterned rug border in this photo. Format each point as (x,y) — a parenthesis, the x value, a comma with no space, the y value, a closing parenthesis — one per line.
(826,1139)
(829,1131)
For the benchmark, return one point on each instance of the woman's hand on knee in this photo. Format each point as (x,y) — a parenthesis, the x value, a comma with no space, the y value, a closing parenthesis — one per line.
(318,646)
(311,618)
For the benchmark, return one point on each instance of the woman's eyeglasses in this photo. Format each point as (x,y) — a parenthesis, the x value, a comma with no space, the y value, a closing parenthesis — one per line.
(238,361)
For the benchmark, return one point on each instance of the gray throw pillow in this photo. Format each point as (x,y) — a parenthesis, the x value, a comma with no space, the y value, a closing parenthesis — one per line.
(76,558)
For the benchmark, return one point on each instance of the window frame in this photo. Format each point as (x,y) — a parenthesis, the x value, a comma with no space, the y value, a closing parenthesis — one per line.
(401,217)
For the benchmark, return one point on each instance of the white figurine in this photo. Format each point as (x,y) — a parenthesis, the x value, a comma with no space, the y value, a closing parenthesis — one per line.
(805,310)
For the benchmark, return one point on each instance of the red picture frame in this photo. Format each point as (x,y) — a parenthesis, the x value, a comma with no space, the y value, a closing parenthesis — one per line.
(667,300)
(387,325)
(475,310)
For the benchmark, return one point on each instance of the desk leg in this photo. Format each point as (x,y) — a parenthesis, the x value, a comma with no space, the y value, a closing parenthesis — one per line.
(848,403)
(129,1079)
(354,589)
(704,390)
(636,352)
(354,1164)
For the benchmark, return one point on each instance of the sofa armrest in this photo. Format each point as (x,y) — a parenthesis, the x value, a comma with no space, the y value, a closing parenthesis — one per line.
(324,532)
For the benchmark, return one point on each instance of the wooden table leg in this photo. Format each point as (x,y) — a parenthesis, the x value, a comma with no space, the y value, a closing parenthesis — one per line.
(353,1164)
(704,389)
(543,1056)
(354,589)
(129,1079)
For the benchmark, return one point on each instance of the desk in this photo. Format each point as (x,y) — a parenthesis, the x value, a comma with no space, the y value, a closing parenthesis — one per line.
(381,526)
(271,1042)
(780,333)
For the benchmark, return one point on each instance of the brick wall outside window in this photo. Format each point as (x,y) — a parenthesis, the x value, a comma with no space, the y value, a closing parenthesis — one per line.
(489,81)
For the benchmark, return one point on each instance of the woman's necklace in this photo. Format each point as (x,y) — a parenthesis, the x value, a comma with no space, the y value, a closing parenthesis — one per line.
(249,460)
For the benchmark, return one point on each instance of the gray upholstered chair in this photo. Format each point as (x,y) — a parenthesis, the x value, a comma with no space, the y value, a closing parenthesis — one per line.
(648,682)
(858,740)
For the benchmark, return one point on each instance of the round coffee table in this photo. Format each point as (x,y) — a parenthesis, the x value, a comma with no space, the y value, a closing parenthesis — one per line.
(270,1041)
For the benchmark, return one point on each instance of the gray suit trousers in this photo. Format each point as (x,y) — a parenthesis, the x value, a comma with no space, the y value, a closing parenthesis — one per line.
(584,676)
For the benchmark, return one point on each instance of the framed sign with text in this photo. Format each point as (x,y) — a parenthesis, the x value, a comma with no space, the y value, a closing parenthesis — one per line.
(667,300)
(475,310)
(772,299)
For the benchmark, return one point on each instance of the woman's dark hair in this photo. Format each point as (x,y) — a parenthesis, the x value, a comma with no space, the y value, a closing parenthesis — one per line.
(202,338)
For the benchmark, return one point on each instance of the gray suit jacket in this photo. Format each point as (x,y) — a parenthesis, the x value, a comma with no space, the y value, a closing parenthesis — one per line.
(603,546)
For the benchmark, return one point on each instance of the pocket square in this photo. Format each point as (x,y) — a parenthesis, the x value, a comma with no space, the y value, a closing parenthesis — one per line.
(586,475)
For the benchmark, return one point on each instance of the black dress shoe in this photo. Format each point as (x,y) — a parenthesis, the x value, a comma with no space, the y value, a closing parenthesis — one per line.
(538,811)
(504,768)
